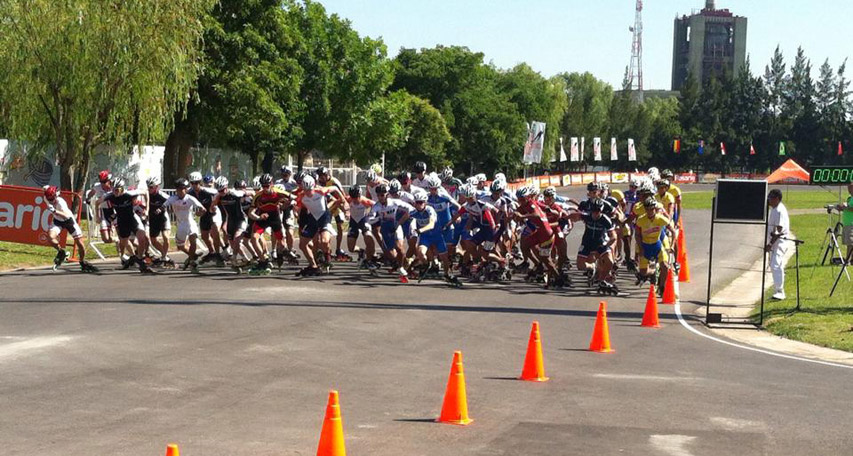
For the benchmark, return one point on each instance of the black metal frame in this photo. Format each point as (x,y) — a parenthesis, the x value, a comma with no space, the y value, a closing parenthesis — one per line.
(717,317)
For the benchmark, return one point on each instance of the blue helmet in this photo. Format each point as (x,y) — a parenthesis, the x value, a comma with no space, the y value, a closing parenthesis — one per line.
(208,178)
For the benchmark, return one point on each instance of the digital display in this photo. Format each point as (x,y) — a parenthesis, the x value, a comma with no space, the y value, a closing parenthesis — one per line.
(831,175)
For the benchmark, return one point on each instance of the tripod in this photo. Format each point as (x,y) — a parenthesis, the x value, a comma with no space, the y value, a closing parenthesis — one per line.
(830,245)
(843,271)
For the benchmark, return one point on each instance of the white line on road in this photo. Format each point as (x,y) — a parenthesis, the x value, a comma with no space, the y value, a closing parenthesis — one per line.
(672,444)
(753,349)
(654,378)
(17,348)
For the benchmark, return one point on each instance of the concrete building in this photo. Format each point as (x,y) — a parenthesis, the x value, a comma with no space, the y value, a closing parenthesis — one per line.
(706,43)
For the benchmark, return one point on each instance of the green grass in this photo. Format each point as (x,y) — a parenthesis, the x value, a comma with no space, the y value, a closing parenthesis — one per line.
(821,320)
(798,199)
(14,256)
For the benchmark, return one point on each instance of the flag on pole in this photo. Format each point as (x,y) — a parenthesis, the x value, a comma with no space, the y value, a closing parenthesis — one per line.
(632,151)
(701,146)
(562,152)
(751,149)
(613,153)
(840,149)
(781,147)
(535,143)
(574,150)
(582,148)
(596,147)
(723,148)
(676,146)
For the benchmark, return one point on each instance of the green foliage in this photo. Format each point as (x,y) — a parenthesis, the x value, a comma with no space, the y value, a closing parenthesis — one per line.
(419,132)
(79,74)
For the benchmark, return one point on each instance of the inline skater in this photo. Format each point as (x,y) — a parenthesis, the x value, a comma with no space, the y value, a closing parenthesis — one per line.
(560,224)
(63,219)
(185,206)
(430,237)
(288,184)
(420,178)
(537,238)
(395,190)
(209,221)
(230,201)
(676,193)
(316,222)
(387,217)
(159,223)
(266,215)
(373,181)
(664,197)
(445,207)
(359,208)
(128,222)
(651,228)
(595,255)
(246,205)
(106,214)
(481,227)
(339,216)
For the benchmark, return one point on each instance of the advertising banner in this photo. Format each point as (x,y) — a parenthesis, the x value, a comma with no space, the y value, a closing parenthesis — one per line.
(24,218)
(619,178)
(535,143)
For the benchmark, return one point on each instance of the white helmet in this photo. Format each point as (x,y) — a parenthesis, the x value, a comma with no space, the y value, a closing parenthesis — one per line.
(308,182)
(468,191)
(256,182)
(524,192)
(372,176)
(500,176)
(195,176)
(433,182)
(471,180)
(221,182)
(480,178)
(152,181)
(636,182)
(654,173)
(420,196)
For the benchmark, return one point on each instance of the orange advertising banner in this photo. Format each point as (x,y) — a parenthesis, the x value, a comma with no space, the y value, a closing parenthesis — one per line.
(577,179)
(587,178)
(24,218)
(567,180)
(555,181)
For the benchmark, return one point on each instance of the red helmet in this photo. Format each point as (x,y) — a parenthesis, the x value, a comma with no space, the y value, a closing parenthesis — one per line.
(50,192)
(104,176)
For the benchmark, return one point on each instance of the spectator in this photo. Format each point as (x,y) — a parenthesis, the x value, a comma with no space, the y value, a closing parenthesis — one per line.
(778,227)
(847,221)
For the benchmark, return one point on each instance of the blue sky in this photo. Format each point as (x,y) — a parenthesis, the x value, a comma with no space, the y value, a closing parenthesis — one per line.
(592,35)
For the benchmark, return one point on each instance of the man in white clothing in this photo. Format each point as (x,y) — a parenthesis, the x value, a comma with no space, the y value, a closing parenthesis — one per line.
(778,228)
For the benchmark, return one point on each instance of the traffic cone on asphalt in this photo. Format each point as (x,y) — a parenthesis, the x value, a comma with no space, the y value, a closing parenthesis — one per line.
(601,334)
(172,450)
(332,435)
(534,365)
(455,407)
(669,296)
(650,317)
(684,272)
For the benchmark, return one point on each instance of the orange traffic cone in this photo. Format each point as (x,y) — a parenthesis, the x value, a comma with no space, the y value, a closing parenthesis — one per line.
(669,288)
(601,334)
(332,435)
(172,450)
(650,317)
(684,272)
(455,407)
(534,365)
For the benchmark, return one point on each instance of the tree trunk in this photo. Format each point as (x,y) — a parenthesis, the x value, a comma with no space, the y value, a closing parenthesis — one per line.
(266,164)
(177,147)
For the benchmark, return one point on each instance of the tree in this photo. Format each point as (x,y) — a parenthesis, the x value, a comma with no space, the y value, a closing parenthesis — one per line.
(801,110)
(421,133)
(588,101)
(345,76)
(91,72)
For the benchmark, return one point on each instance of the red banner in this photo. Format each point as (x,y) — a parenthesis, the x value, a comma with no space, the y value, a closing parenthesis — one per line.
(685,178)
(24,218)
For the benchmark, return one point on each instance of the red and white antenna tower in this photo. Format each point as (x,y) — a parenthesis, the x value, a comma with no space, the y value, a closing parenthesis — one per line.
(635,74)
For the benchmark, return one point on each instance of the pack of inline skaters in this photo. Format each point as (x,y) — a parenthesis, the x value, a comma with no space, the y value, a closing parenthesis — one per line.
(420,224)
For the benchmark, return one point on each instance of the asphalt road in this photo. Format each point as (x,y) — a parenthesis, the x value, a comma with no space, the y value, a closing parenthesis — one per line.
(122,364)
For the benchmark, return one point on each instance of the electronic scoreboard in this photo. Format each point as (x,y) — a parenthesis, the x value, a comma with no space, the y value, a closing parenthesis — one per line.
(831,175)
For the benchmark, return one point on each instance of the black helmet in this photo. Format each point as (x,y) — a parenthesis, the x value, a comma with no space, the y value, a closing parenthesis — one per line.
(596,205)
(404,177)
(265,180)
(420,167)
(300,175)
(667,174)
(381,189)
(394,186)
(322,171)
(182,183)
(240,184)
(592,186)
(649,202)
(355,191)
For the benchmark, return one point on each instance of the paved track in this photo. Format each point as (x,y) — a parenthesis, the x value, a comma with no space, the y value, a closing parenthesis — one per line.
(121,364)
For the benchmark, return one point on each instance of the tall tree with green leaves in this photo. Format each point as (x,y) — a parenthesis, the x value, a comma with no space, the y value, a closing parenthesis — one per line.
(420,133)
(801,110)
(80,74)
(345,75)
(588,103)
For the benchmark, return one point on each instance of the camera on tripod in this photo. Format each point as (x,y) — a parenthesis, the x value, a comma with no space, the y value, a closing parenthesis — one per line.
(830,207)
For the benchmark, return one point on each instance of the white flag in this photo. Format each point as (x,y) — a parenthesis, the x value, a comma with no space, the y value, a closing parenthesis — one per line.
(632,151)
(582,148)
(562,152)
(596,147)
(535,143)
(574,150)
(613,155)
